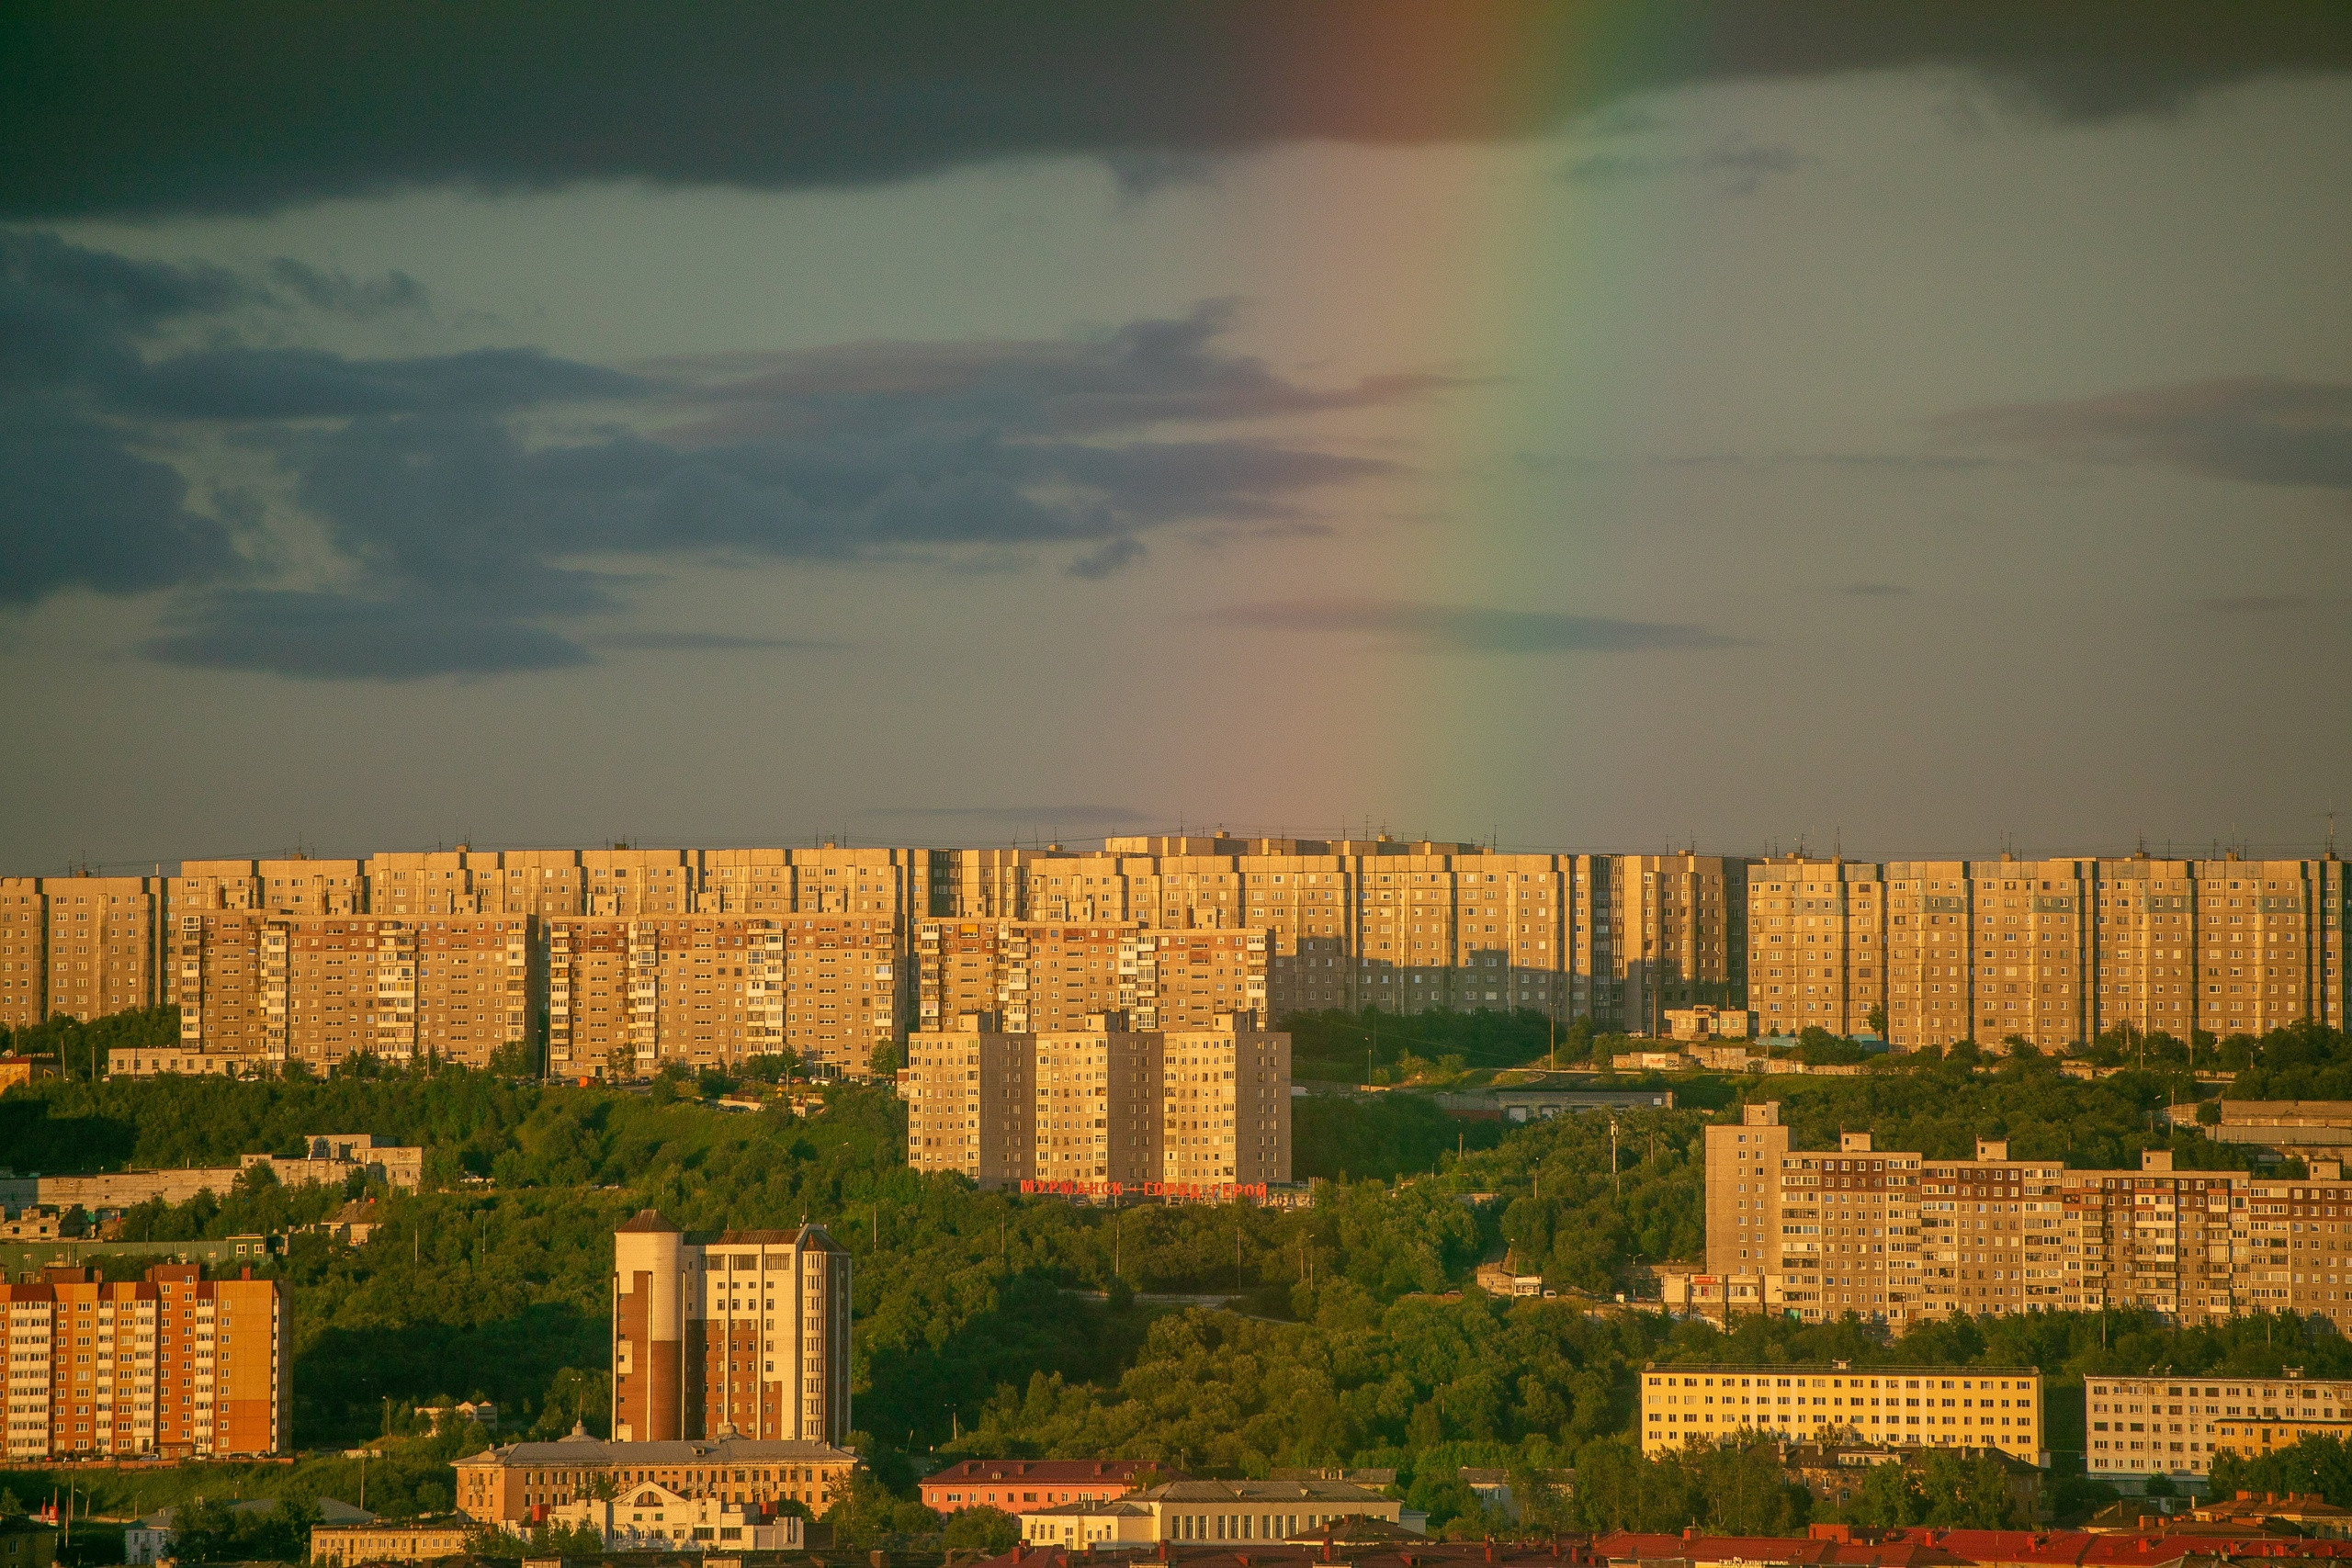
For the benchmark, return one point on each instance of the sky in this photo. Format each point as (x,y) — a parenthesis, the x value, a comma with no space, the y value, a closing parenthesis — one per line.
(1908,430)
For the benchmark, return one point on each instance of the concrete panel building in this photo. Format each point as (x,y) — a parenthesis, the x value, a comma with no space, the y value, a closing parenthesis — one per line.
(1102,1110)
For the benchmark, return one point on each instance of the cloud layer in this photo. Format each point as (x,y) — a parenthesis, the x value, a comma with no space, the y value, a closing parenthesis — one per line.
(457,493)
(156,105)
(1469,628)
(2265,429)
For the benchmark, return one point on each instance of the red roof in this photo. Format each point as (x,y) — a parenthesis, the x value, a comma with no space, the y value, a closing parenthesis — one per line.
(1043,1472)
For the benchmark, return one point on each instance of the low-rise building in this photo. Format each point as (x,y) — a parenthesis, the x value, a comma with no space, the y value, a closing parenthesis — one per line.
(15,1069)
(27,1543)
(1209,1511)
(1710,1023)
(2137,1427)
(403,1541)
(1944,1407)
(502,1485)
(1648,1062)
(648,1516)
(1015,1483)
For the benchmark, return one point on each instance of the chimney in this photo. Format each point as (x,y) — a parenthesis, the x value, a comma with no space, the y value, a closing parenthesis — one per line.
(1690,1532)
(1020,1550)
(1163,1549)
(1490,1549)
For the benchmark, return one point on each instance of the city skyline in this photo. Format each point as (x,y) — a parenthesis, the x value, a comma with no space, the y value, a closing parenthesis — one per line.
(1624,424)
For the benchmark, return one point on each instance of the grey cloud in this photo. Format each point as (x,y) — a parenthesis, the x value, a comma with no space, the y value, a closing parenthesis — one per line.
(148,106)
(338,292)
(442,516)
(1145,373)
(293,383)
(1736,166)
(2265,429)
(1875,589)
(334,636)
(1451,628)
(79,510)
(705,642)
(1110,557)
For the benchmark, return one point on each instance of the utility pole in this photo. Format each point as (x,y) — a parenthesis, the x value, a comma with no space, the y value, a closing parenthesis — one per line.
(1616,1184)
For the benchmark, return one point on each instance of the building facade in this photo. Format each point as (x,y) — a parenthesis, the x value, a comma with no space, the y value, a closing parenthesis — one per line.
(628,995)
(1960,1407)
(1206,1511)
(173,1365)
(1895,1237)
(1011,1484)
(507,1487)
(1103,1109)
(2050,952)
(743,1334)
(2136,1427)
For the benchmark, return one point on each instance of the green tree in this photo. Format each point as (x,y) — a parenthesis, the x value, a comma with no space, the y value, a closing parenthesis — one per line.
(989,1531)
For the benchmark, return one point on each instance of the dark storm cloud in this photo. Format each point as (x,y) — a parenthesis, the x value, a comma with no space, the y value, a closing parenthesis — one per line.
(79,510)
(336,636)
(2264,429)
(454,520)
(2254,604)
(296,383)
(706,642)
(1875,590)
(167,105)
(344,295)
(1470,629)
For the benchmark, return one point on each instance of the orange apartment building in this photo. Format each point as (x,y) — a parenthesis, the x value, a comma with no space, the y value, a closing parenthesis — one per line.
(173,1365)
(1406,927)
(268,988)
(2052,951)
(709,989)
(1102,1109)
(743,1334)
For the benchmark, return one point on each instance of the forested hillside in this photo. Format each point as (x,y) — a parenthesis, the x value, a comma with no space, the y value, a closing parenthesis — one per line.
(991,1323)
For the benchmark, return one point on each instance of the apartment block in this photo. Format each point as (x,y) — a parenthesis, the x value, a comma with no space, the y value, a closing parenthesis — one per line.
(262,988)
(742,1334)
(295,886)
(2052,951)
(1039,978)
(1895,1237)
(173,1365)
(1961,1407)
(1101,1110)
(24,952)
(711,990)
(1356,922)
(2135,1427)
(102,935)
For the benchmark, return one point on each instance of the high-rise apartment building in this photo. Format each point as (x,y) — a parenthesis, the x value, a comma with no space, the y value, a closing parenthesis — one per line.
(2052,951)
(1039,976)
(1406,927)
(741,1335)
(711,990)
(1101,1107)
(270,988)
(24,952)
(173,1365)
(1896,1237)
